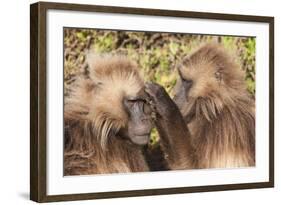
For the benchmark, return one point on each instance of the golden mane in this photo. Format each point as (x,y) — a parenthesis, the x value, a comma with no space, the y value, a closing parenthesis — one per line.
(220,111)
(94,113)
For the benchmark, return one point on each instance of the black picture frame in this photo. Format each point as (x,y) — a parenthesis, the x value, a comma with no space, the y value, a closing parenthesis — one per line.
(38,100)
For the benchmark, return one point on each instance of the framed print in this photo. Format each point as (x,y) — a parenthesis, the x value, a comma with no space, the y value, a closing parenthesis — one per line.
(133,102)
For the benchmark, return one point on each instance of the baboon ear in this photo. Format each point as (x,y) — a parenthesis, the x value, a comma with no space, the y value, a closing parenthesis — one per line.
(94,62)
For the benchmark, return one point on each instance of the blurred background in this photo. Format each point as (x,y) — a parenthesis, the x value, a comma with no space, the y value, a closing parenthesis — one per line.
(157,54)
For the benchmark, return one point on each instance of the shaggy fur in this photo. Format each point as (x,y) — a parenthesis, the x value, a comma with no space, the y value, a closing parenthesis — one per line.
(94,114)
(175,137)
(218,109)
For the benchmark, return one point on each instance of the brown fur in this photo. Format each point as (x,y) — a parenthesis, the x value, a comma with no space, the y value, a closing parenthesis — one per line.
(94,114)
(175,137)
(220,112)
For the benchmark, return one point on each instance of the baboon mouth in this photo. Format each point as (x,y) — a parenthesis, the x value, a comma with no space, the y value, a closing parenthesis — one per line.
(142,136)
(140,139)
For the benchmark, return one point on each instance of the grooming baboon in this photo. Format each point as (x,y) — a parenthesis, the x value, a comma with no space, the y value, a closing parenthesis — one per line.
(175,137)
(106,119)
(217,108)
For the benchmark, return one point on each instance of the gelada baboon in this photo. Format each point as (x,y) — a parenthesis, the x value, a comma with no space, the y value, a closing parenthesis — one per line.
(212,98)
(106,119)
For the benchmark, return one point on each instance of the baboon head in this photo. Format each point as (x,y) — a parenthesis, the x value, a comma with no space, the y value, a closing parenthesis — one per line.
(112,100)
(209,79)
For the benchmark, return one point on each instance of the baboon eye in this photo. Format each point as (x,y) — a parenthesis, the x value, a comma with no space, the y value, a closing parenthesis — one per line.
(131,102)
(139,104)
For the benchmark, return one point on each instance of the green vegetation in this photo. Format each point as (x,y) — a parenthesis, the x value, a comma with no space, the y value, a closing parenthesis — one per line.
(156,54)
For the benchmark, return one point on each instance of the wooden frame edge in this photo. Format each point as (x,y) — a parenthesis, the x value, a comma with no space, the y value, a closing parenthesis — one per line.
(38,101)
(34,191)
(271,100)
(155,12)
(155,192)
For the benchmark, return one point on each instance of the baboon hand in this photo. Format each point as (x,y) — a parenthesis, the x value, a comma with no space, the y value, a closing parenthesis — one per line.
(160,101)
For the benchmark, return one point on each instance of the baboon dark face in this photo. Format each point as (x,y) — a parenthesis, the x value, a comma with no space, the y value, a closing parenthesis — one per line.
(139,122)
(208,78)
(182,91)
(198,80)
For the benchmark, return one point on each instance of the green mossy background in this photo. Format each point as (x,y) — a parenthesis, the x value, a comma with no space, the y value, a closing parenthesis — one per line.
(157,54)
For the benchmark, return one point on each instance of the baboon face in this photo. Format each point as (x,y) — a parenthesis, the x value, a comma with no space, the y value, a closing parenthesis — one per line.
(209,74)
(139,123)
(118,101)
(198,80)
